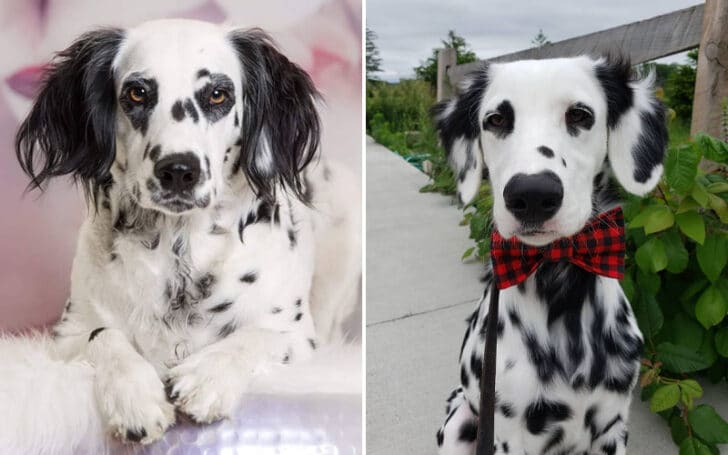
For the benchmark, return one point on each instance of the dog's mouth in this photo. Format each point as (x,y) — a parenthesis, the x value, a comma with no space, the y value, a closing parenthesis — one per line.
(180,203)
(536,235)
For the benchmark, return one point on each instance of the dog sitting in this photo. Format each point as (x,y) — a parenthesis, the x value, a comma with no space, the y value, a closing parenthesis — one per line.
(551,133)
(216,243)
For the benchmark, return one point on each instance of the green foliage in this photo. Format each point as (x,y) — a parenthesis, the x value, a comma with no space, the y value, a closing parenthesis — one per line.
(540,39)
(427,71)
(677,247)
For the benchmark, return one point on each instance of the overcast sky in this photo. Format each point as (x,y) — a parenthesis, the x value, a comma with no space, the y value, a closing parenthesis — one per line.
(408,30)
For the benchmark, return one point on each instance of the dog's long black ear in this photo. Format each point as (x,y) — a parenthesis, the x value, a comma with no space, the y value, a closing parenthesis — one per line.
(637,133)
(70,128)
(280,128)
(458,123)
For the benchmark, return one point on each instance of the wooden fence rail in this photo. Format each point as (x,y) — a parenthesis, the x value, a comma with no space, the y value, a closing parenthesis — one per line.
(704,25)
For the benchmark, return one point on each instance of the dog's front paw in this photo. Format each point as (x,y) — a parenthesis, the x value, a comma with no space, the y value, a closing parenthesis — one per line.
(207,386)
(132,399)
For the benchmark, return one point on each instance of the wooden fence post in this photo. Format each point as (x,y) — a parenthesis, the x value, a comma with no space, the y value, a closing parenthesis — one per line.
(711,84)
(446,59)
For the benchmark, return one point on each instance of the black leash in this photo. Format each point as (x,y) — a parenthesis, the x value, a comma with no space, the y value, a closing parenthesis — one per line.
(486,421)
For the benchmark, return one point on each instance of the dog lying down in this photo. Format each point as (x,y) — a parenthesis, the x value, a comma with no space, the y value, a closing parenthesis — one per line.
(552,133)
(217,245)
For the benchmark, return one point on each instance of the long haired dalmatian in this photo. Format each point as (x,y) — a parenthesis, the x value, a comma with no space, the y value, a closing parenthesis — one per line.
(216,243)
(550,134)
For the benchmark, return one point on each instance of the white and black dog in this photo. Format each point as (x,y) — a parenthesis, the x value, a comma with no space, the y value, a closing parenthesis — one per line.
(550,134)
(216,243)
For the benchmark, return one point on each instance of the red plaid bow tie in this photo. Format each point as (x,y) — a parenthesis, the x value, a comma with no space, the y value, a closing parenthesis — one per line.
(598,248)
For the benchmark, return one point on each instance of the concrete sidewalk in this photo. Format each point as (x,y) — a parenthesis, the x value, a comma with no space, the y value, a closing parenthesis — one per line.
(418,296)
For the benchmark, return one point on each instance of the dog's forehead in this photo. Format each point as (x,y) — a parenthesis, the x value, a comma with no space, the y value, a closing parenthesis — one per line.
(547,81)
(176,48)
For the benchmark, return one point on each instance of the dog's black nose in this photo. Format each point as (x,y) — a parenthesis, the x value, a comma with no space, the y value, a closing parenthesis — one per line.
(534,198)
(178,172)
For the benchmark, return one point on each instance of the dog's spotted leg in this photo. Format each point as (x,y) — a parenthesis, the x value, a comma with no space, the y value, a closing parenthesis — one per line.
(457,435)
(128,390)
(611,438)
(209,384)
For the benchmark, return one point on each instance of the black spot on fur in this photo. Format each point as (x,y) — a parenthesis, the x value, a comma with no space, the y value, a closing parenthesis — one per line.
(610,448)
(298,303)
(203,73)
(204,285)
(155,152)
(541,413)
(312,343)
(153,243)
(507,409)
(292,238)
(544,358)
(464,379)
(95,332)
(563,162)
(178,112)
(556,438)
(227,329)
(614,76)
(136,435)
(276,310)
(191,110)
(440,437)
(298,317)
(514,318)
(545,151)
(236,122)
(476,364)
(249,277)
(650,148)
(505,447)
(468,432)
(219,308)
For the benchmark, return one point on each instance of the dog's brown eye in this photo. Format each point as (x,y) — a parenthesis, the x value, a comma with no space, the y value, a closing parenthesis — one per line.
(217,97)
(495,120)
(137,94)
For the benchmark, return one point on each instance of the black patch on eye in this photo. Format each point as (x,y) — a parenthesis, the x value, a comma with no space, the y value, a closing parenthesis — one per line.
(191,110)
(505,109)
(214,112)
(178,112)
(249,277)
(139,114)
(155,152)
(545,151)
(202,73)
(573,128)
(219,308)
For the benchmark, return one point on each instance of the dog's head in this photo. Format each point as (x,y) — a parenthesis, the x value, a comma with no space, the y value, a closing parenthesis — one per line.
(172,111)
(544,129)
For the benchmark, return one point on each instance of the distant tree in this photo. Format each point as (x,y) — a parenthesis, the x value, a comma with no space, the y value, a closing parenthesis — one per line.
(680,87)
(373,61)
(427,71)
(540,39)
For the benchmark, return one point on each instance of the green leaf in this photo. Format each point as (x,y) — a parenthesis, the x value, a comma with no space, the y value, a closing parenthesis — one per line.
(678,428)
(691,388)
(693,446)
(681,359)
(688,204)
(628,286)
(717,187)
(659,219)
(649,282)
(693,289)
(468,253)
(700,194)
(719,206)
(712,307)
(713,149)
(721,341)
(692,225)
(712,256)
(649,315)
(708,425)
(683,330)
(677,254)
(641,219)
(665,397)
(651,257)
(681,166)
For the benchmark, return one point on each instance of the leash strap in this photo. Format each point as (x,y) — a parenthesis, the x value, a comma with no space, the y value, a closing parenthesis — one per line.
(486,421)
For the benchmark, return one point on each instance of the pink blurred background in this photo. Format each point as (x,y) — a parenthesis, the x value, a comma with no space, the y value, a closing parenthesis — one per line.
(38,231)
